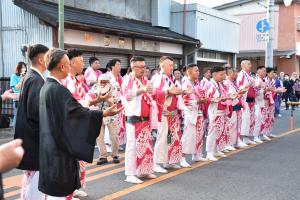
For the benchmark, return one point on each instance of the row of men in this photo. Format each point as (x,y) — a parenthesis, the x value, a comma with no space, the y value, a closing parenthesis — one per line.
(59,132)
(238,110)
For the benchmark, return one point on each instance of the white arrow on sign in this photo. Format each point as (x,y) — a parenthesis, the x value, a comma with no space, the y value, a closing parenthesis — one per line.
(287,2)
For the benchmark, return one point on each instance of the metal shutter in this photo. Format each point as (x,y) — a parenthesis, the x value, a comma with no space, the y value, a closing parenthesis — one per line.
(150,61)
(86,57)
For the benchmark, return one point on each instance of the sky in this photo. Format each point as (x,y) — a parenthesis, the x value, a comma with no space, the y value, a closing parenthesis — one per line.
(208,3)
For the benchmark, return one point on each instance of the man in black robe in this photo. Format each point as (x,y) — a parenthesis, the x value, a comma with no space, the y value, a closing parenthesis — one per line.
(27,122)
(68,131)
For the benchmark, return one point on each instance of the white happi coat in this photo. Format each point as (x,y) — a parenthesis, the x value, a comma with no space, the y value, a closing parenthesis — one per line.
(244,79)
(161,146)
(235,121)
(217,119)
(259,106)
(193,121)
(133,105)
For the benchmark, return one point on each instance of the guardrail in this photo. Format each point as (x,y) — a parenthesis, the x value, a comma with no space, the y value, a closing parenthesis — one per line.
(7,107)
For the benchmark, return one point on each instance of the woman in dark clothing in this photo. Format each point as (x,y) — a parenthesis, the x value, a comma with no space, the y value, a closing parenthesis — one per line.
(297,89)
(289,94)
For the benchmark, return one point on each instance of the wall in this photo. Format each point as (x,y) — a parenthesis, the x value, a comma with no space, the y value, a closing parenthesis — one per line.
(288,65)
(248,32)
(287,27)
(283,64)
(19,28)
(132,9)
(297,14)
(251,7)
(215,30)
(217,34)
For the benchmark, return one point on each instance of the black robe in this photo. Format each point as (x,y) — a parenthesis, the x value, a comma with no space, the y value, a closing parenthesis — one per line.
(27,121)
(68,133)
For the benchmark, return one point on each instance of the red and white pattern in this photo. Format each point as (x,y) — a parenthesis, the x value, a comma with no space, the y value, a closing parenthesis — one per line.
(27,178)
(48,197)
(265,121)
(122,124)
(91,76)
(144,148)
(78,92)
(239,123)
(30,186)
(175,147)
(199,134)
(221,130)
(271,112)
(252,119)
(82,166)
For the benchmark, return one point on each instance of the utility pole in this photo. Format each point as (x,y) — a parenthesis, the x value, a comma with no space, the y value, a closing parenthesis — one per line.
(61,24)
(269,48)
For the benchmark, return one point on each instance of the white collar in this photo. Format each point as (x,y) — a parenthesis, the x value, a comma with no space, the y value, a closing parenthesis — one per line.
(205,79)
(37,71)
(54,79)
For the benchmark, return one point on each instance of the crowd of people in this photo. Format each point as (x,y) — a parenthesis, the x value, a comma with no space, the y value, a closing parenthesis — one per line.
(160,116)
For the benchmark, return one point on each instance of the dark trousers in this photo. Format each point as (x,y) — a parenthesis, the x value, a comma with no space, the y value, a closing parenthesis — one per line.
(277,105)
(297,93)
(288,97)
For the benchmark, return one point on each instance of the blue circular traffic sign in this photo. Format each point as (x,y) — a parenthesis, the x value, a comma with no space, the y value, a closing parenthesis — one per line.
(262,26)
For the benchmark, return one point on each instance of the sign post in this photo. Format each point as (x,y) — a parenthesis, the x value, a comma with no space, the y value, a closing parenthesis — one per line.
(269,49)
(262,27)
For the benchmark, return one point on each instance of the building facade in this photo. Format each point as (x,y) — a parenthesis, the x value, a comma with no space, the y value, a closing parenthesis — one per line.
(219,34)
(286,33)
(113,29)
(19,28)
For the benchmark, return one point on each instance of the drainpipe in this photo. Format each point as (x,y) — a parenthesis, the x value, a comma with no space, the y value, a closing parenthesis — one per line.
(61,23)
(184,17)
(1,40)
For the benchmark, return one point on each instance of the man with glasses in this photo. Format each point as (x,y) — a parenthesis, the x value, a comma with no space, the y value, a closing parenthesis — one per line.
(138,106)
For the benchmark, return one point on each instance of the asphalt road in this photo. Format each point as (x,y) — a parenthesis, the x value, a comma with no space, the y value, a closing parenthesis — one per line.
(269,171)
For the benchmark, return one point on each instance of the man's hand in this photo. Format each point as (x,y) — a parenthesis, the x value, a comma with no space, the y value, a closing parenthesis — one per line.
(149,89)
(101,98)
(270,89)
(243,91)
(280,90)
(233,95)
(111,111)
(6,95)
(202,100)
(10,155)
(175,91)
(188,91)
(222,99)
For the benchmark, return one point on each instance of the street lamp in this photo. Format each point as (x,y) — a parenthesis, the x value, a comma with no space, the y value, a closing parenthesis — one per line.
(287,2)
